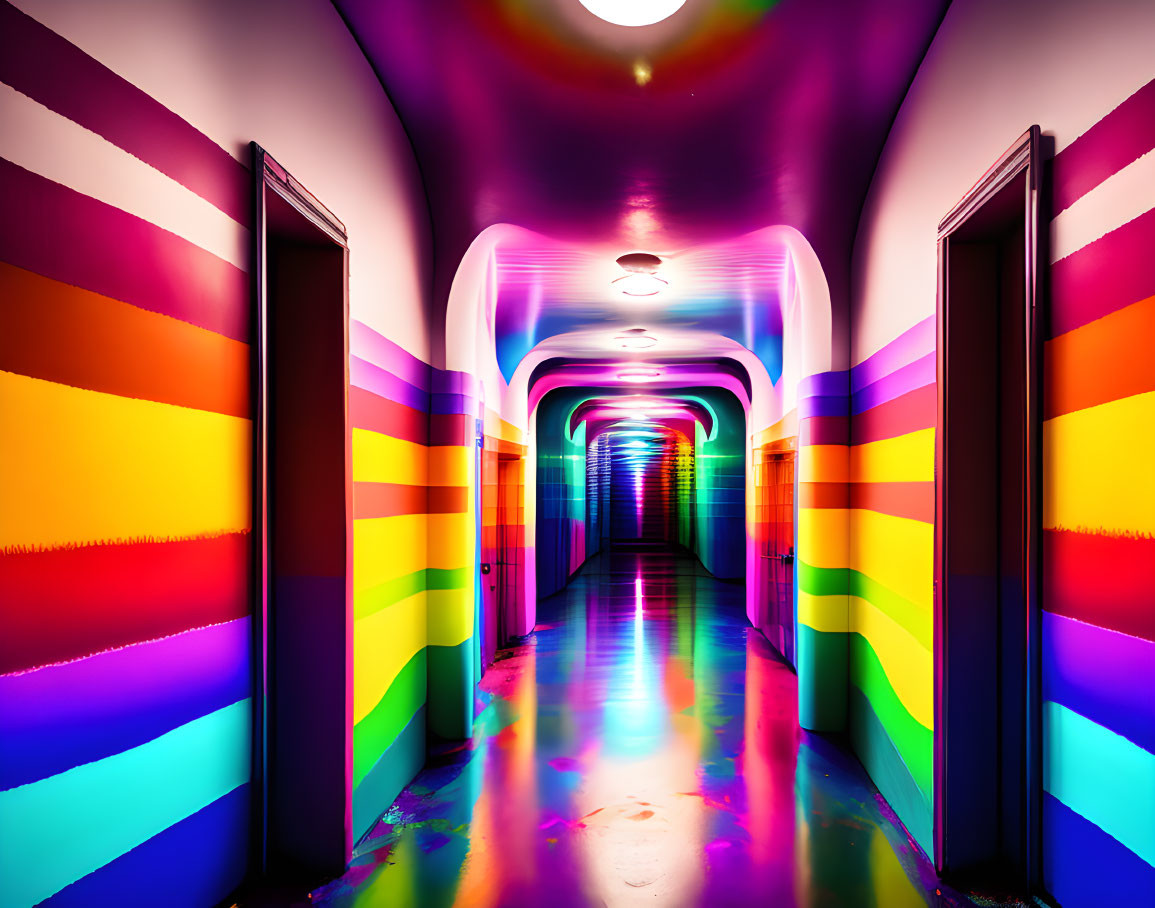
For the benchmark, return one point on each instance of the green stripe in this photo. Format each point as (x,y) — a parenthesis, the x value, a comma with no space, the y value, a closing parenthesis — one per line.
(450,702)
(913,741)
(120,802)
(393,591)
(378,730)
(822,666)
(888,771)
(392,772)
(834,581)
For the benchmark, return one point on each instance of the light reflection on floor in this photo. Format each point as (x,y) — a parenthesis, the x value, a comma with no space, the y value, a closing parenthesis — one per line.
(640,748)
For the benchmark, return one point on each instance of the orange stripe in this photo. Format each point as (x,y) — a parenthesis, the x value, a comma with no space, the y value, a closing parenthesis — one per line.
(823,495)
(1104,360)
(63,334)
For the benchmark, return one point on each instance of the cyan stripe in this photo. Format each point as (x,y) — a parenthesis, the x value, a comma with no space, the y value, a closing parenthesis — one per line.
(59,829)
(1101,776)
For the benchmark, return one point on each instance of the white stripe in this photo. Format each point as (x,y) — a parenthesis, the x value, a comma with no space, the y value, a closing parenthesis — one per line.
(1120,198)
(44,142)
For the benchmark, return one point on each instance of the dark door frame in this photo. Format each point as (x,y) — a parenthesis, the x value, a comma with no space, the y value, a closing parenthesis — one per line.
(1023,157)
(269,176)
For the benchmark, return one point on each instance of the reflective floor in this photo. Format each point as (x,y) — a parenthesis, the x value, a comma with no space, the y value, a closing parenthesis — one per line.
(640,748)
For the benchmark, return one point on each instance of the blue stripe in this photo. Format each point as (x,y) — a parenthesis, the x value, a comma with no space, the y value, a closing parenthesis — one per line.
(395,769)
(1083,867)
(198,862)
(61,716)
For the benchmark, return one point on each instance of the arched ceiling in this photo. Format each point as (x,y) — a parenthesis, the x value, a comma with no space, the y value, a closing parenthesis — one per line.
(677,138)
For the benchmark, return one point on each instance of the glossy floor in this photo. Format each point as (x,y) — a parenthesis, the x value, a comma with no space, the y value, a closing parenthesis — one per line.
(640,748)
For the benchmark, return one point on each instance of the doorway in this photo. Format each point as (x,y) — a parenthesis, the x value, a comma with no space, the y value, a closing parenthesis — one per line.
(987,724)
(502,548)
(775,484)
(303,530)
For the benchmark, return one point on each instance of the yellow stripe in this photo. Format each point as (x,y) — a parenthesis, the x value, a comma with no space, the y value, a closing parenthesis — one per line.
(908,664)
(383,643)
(904,458)
(382,458)
(896,552)
(451,541)
(823,463)
(1098,467)
(450,465)
(823,613)
(385,548)
(82,466)
(496,427)
(450,616)
(823,536)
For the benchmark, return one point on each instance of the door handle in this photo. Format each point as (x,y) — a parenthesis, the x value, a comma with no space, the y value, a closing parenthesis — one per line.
(786,559)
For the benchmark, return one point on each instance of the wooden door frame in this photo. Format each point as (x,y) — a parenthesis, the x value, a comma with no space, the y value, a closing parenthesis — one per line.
(269,176)
(1023,157)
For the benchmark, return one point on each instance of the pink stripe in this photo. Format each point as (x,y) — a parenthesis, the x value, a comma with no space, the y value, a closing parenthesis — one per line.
(912,344)
(39,63)
(1104,276)
(918,374)
(1124,135)
(384,384)
(383,353)
(69,237)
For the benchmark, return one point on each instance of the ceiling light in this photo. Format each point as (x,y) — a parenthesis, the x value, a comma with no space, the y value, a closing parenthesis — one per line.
(640,285)
(639,375)
(633,12)
(635,341)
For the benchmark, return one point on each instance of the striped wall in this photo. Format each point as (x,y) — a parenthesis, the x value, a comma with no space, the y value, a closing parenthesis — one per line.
(125,673)
(1098,556)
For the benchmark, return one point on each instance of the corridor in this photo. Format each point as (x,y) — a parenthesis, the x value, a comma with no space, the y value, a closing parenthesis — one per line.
(640,747)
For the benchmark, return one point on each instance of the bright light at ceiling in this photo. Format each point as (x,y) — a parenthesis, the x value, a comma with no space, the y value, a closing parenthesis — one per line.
(639,284)
(638,375)
(635,341)
(633,12)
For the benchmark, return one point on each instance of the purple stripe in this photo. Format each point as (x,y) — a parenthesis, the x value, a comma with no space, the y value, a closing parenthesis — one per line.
(1101,674)
(374,348)
(1124,135)
(372,378)
(454,404)
(57,717)
(1104,276)
(822,406)
(919,374)
(823,384)
(911,345)
(69,237)
(446,381)
(39,63)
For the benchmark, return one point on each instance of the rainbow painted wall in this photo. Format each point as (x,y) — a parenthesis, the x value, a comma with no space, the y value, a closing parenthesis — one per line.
(125,671)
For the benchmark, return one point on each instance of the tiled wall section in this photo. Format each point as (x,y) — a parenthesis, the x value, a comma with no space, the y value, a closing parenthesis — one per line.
(125,673)
(1098,623)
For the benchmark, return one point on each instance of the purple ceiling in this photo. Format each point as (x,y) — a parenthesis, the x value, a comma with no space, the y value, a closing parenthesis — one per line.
(754,113)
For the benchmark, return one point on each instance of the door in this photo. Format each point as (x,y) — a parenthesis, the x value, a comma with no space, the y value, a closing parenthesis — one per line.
(987,753)
(776,507)
(509,548)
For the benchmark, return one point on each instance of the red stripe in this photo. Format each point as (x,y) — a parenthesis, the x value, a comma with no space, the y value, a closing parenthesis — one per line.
(39,63)
(67,603)
(387,499)
(1108,581)
(1124,135)
(451,429)
(378,414)
(823,430)
(69,237)
(1104,276)
(823,495)
(913,500)
(909,412)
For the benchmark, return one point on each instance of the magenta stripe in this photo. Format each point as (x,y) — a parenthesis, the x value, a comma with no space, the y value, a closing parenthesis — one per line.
(920,373)
(1124,135)
(374,348)
(69,237)
(39,63)
(372,378)
(1104,276)
(912,344)
(446,381)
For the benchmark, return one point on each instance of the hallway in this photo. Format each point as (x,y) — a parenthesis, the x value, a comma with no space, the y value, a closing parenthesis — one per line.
(640,747)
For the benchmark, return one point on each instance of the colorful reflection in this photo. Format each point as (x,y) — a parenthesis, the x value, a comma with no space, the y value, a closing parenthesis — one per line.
(641,747)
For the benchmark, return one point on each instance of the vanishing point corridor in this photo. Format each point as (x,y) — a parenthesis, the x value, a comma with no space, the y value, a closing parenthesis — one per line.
(639,748)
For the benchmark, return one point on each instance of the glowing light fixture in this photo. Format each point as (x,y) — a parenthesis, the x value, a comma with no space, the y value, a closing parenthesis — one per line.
(633,13)
(640,285)
(638,375)
(635,341)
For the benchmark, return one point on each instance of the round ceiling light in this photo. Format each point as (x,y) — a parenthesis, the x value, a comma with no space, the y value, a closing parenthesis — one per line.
(640,285)
(635,341)
(638,375)
(633,12)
